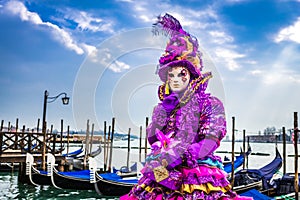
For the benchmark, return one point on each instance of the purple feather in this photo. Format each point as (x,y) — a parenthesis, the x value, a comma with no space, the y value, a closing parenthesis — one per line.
(168,25)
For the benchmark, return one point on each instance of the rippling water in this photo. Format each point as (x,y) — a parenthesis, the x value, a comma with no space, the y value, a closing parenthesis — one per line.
(11,189)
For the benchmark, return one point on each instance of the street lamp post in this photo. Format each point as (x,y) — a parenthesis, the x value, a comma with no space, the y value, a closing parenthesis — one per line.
(48,99)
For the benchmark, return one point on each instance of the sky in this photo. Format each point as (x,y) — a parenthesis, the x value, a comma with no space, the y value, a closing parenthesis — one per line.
(103,55)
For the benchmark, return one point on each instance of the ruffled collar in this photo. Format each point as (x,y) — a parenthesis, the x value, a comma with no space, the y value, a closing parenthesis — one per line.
(174,101)
(197,85)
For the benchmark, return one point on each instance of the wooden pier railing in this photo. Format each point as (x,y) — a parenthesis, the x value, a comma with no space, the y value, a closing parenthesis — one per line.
(23,142)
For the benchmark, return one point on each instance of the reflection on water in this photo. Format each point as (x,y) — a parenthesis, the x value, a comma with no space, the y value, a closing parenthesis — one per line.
(11,189)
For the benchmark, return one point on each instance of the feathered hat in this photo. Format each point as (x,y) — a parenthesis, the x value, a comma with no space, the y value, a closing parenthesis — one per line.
(181,50)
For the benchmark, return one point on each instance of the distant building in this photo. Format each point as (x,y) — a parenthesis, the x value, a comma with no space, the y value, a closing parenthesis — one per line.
(268,138)
(262,138)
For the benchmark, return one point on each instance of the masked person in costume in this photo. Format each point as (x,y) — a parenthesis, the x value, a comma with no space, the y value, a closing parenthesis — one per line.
(187,127)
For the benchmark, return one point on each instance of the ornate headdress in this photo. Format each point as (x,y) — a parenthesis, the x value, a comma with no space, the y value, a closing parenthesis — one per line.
(181,50)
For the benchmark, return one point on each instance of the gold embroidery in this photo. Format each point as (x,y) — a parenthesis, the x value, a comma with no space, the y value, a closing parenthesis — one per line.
(160,173)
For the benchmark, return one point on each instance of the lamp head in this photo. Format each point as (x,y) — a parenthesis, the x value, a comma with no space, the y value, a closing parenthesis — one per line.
(65,100)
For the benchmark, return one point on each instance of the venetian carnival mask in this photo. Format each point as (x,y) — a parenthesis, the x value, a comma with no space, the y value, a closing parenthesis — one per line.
(178,78)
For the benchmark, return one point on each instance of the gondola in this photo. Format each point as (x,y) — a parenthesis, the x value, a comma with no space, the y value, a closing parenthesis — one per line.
(74,153)
(111,184)
(79,180)
(239,160)
(39,177)
(92,154)
(126,172)
(78,161)
(248,179)
(283,187)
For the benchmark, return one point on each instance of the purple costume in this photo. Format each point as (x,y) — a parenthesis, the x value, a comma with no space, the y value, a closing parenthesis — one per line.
(185,131)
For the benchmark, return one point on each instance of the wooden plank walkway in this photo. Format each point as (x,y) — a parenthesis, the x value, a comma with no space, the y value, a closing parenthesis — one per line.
(17,158)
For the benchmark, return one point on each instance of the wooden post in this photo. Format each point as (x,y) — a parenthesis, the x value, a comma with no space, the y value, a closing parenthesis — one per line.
(44,148)
(108,148)
(38,126)
(128,147)
(284,149)
(1,136)
(104,147)
(232,154)
(54,143)
(22,141)
(296,154)
(86,152)
(8,127)
(244,148)
(248,144)
(146,137)
(140,145)
(111,143)
(17,124)
(91,139)
(29,142)
(68,140)
(2,123)
(61,133)
(16,134)
(53,140)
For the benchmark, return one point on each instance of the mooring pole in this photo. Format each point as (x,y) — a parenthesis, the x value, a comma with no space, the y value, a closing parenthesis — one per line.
(232,154)
(244,147)
(146,137)
(104,146)
(140,144)
(284,149)
(68,140)
(1,136)
(111,143)
(128,148)
(296,154)
(91,139)
(108,148)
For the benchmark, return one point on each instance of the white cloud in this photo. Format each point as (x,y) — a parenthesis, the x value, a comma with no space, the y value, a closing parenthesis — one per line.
(291,33)
(118,66)
(251,62)
(18,8)
(220,37)
(104,58)
(145,18)
(87,22)
(228,57)
(277,76)
(282,69)
(203,23)
(281,77)
(256,72)
(91,52)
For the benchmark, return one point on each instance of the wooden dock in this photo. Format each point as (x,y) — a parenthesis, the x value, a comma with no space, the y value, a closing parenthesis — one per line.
(21,157)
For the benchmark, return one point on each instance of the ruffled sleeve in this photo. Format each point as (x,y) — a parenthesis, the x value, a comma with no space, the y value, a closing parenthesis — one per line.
(159,118)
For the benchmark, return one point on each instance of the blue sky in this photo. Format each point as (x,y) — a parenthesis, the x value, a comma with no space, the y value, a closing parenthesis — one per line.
(103,55)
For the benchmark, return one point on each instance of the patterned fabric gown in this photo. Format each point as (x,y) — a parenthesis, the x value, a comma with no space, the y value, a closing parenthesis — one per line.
(185,131)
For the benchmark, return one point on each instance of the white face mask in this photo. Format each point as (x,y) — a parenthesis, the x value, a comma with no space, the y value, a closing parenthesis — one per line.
(178,78)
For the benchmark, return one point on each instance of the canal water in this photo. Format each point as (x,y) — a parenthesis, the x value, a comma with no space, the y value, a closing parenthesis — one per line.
(11,189)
